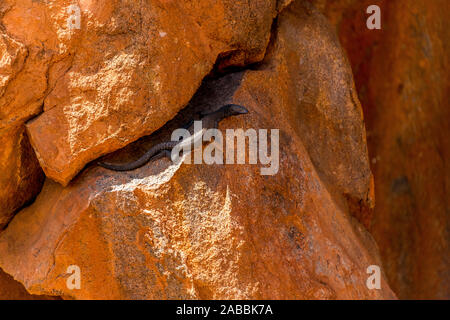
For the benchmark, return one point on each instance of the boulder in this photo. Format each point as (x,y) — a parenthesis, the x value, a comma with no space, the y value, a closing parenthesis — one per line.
(13,290)
(221,231)
(24,64)
(90,90)
(129,69)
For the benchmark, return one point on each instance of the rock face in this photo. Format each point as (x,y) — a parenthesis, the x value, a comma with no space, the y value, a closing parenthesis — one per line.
(129,69)
(171,231)
(113,80)
(414,171)
(13,290)
(22,86)
(21,177)
(401,73)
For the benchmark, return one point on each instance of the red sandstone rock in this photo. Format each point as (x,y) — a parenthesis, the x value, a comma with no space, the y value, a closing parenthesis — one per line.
(168,231)
(129,69)
(23,67)
(13,290)
(21,178)
(401,73)
(108,83)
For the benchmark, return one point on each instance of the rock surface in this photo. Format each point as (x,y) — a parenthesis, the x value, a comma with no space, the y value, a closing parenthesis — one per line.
(173,231)
(22,87)
(21,177)
(109,82)
(411,126)
(401,73)
(129,69)
(13,290)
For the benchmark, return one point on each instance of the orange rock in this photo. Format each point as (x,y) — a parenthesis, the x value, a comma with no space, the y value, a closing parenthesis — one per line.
(21,178)
(410,129)
(13,290)
(23,82)
(401,73)
(129,69)
(173,231)
(117,68)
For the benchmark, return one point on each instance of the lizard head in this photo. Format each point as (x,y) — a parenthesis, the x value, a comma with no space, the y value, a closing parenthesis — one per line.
(234,109)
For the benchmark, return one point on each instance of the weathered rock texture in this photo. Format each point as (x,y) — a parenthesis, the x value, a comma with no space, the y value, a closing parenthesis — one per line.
(21,177)
(13,290)
(123,74)
(401,73)
(22,87)
(130,68)
(211,231)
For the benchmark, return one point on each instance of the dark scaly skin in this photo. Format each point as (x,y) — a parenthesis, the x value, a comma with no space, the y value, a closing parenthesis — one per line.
(210,120)
(142,160)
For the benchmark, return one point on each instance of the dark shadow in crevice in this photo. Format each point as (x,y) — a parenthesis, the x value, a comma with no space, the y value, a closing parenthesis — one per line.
(216,90)
(219,70)
(213,93)
(11,289)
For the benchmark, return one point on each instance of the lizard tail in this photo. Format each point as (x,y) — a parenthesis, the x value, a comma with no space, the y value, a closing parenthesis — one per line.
(142,160)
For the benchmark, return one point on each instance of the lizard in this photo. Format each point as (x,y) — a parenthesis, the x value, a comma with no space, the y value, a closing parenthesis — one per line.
(209,121)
